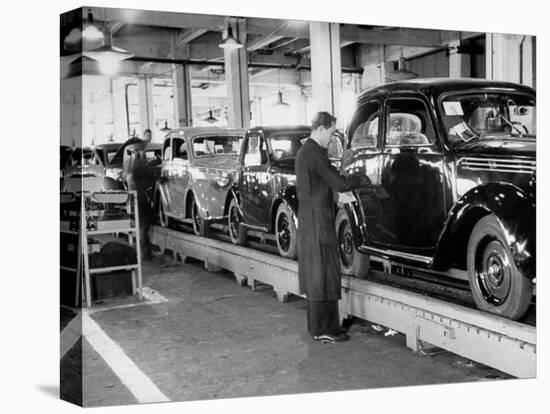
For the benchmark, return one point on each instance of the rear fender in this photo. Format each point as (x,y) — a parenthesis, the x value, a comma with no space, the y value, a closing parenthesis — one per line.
(512,207)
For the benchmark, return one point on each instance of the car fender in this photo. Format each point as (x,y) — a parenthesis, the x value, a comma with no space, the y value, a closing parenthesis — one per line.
(512,207)
(357,221)
(160,195)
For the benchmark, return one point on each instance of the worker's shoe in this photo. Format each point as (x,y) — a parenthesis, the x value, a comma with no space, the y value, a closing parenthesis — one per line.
(328,338)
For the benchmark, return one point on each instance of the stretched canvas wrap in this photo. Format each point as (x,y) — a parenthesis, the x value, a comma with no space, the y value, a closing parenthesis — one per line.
(178,138)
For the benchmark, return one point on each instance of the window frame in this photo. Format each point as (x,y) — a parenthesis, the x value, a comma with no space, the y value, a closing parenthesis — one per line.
(380,112)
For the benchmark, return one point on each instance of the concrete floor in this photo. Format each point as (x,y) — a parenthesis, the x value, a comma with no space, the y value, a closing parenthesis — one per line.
(215,339)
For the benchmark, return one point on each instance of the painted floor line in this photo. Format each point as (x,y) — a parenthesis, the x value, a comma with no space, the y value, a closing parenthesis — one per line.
(139,384)
(70,335)
(150,296)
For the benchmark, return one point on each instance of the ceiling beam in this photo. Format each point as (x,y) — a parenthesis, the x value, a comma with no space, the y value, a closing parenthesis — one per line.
(263,41)
(188,36)
(405,37)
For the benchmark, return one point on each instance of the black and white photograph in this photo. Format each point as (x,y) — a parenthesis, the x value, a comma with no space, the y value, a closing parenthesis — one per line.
(305,208)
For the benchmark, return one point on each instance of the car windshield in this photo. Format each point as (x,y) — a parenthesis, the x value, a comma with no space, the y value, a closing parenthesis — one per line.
(216,145)
(286,145)
(488,115)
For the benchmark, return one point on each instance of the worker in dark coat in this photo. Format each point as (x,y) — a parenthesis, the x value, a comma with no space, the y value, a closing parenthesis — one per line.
(318,261)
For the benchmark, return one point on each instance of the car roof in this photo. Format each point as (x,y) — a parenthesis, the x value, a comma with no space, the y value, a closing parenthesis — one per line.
(109,146)
(195,131)
(273,129)
(436,86)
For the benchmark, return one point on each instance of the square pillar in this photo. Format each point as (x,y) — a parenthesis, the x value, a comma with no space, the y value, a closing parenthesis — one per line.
(236,75)
(326,66)
(181,80)
(146,116)
(459,63)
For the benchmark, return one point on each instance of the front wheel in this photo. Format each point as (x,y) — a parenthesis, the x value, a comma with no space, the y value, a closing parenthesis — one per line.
(234,220)
(352,262)
(200,226)
(497,285)
(285,232)
(164,220)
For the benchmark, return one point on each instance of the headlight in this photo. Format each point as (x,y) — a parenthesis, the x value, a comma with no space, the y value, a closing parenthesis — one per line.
(115,173)
(223,179)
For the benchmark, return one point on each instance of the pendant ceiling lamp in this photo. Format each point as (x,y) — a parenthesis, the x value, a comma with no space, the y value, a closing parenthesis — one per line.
(280,102)
(230,42)
(402,73)
(89,30)
(210,118)
(165,129)
(108,52)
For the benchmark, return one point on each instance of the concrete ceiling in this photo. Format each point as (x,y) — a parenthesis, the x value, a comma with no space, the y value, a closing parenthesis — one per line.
(183,37)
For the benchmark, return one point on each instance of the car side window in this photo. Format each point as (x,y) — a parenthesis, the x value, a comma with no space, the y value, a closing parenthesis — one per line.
(256,152)
(364,129)
(167,150)
(408,123)
(179,148)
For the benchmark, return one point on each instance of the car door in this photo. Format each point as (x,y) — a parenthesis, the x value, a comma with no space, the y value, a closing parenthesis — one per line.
(255,181)
(412,177)
(165,180)
(180,175)
(364,156)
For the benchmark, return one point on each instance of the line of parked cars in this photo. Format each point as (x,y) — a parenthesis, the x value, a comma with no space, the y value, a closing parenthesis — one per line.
(452,170)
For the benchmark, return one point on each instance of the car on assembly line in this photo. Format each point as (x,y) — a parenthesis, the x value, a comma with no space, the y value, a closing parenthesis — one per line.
(118,172)
(264,194)
(198,166)
(452,169)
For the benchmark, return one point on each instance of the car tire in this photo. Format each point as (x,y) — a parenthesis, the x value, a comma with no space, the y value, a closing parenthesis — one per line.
(164,220)
(285,232)
(352,262)
(236,232)
(497,285)
(200,226)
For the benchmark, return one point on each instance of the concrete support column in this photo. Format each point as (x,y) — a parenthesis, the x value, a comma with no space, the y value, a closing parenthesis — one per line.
(510,58)
(181,80)
(326,67)
(146,116)
(236,75)
(459,63)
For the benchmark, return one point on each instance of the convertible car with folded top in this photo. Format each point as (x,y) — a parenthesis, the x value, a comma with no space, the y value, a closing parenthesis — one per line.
(452,170)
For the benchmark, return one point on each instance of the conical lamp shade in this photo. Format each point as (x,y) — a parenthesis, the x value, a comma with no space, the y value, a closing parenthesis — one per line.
(108,52)
(165,129)
(230,42)
(280,101)
(210,118)
(401,73)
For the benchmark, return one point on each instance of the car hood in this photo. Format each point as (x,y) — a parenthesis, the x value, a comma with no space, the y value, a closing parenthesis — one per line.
(225,162)
(512,146)
(85,171)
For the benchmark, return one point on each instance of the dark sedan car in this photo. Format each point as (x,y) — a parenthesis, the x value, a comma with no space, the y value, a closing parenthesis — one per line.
(264,194)
(452,166)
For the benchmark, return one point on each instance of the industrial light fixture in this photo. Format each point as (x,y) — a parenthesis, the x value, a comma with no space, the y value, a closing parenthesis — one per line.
(165,129)
(230,42)
(107,55)
(210,118)
(90,31)
(402,73)
(280,102)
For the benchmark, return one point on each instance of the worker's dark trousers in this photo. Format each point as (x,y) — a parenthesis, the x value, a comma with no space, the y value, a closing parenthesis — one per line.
(323,317)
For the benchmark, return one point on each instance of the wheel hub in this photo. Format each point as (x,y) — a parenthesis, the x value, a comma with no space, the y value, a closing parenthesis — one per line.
(494,273)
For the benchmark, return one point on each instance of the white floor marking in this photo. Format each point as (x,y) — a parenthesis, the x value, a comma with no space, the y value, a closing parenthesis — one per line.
(150,296)
(70,335)
(139,384)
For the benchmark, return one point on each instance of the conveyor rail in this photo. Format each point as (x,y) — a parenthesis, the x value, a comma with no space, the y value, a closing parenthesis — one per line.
(497,342)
